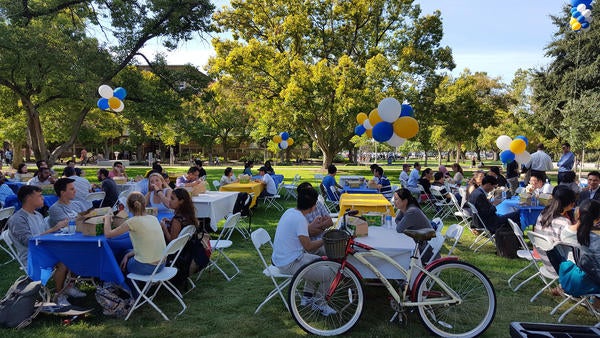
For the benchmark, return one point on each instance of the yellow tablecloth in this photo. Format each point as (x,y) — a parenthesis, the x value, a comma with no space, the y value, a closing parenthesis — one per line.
(252,187)
(365,203)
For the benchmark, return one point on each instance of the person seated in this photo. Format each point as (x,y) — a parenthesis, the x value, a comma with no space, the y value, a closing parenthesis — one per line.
(487,209)
(42,178)
(411,217)
(269,166)
(82,186)
(445,171)
(413,179)
(159,193)
(43,164)
(292,246)
(5,190)
(67,207)
(439,183)
(384,185)
(269,186)
(27,223)
(109,187)
(591,192)
(495,171)
(190,179)
(458,174)
(146,236)
(228,176)
(404,175)
(21,173)
(70,163)
(474,182)
(248,168)
(329,181)
(318,220)
(375,179)
(425,180)
(118,170)
(202,173)
(588,237)
(540,183)
(568,180)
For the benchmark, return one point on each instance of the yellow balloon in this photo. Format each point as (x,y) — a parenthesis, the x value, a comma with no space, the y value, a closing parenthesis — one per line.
(517,146)
(361,117)
(573,20)
(277,138)
(576,26)
(290,141)
(406,127)
(374,117)
(369,133)
(114,102)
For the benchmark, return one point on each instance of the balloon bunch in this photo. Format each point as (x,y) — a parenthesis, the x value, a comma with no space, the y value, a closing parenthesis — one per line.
(283,140)
(581,15)
(513,149)
(391,123)
(111,99)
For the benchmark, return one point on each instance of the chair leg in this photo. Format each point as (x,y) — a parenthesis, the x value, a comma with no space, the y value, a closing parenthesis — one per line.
(526,280)
(278,290)
(12,258)
(542,290)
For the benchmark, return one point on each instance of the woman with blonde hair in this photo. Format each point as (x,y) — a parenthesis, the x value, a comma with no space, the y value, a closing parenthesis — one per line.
(159,193)
(146,236)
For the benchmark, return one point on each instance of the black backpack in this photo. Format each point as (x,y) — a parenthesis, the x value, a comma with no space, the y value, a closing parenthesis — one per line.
(17,308)
(507,244)
(240,204)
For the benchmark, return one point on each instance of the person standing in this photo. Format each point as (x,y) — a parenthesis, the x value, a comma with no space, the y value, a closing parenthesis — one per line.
(540,162)
(83,156)
(566,162)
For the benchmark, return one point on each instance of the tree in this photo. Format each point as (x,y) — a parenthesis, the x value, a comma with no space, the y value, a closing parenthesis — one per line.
(320,63)
(50,63)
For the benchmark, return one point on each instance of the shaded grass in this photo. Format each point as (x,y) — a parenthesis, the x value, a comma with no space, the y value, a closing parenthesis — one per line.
(217,308)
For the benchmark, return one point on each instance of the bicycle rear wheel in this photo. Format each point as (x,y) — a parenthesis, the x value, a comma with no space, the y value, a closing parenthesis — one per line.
(318,315)
(468,318)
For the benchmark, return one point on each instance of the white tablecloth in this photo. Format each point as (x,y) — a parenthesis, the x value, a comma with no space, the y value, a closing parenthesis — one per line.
(214,205)
(343,179)
(396,245)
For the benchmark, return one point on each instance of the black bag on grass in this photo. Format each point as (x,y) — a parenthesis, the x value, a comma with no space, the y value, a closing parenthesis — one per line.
(507,244)
(198,250)
(17,308)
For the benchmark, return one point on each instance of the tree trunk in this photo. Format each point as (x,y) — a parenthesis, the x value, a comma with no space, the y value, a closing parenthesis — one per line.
(35,130)
(439,157)
(458,152)
(327,158)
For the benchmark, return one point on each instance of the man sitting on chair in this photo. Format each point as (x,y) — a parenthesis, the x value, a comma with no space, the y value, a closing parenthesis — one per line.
(487,209)
(318,219)
(329,181)
(67,207)
(270,188)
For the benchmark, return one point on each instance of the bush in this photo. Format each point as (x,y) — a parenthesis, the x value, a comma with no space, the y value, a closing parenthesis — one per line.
(256,157)
(339,158)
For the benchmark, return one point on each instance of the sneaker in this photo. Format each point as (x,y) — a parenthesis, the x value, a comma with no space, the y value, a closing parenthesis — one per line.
(306,301)
(72,291)
(62,300)
(325,309)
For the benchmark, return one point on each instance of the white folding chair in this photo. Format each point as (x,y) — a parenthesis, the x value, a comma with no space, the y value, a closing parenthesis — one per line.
(159,278)
(542,244)
(454,233)
(220,244)
(459,213)
(524,253)
(10,248)
(435,244)
(5,213)
(96,196)
(217,185)
(271,201)
(261,237)
(290,188)
(443,207)
(485,235)
(427,204)
(438,224)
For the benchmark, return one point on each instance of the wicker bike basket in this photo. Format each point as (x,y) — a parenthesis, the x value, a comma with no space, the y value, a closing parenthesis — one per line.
(335,243)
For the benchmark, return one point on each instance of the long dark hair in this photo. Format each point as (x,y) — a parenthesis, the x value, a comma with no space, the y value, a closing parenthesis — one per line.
(186,209)
(562,197)
(405,194)
(589,211)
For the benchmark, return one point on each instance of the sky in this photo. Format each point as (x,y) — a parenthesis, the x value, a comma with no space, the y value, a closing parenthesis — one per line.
(497,37)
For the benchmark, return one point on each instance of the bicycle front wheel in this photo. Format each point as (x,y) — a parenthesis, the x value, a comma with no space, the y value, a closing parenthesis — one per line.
(309,306)
(468,318)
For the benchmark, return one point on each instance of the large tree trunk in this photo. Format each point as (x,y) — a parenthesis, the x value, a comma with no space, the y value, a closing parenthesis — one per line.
(35,131)
(327,158)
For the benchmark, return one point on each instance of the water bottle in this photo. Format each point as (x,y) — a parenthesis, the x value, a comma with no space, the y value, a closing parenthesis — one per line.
(503,194)
(71,226)
(388,222)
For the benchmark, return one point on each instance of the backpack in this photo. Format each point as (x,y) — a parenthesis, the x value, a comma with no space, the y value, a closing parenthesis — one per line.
(114,301)
(240,204)
(507,243)
(197,249)
(17,308)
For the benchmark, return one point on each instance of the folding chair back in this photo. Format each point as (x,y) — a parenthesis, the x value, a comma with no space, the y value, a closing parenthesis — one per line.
(6,213)
(485,235)
(216,184)
(543,244)
(454,233)
(524,253)
(188,230)
(229,226)
(11,250)
(96,196)
(220,244)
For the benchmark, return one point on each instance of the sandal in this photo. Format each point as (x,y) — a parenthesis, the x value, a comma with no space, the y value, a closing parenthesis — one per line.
(557,291)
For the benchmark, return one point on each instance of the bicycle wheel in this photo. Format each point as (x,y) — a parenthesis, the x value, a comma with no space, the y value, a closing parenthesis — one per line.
(318,315)
(468,318)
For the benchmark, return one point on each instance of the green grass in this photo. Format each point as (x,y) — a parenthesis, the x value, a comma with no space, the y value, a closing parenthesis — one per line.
(223,309)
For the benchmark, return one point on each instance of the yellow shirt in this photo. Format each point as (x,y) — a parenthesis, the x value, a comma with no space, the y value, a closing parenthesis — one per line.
(147,238)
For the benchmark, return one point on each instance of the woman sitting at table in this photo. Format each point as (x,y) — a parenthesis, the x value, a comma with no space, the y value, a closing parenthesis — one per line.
(159,193)
(228,176)
(474,182)
(146,236)
(425,180)
(269,166)
(21,173)
(411,217)
(458,174)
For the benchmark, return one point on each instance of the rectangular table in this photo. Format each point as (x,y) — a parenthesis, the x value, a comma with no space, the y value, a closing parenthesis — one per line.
(528,213)
(250,187)
(214,205)
(342,179)
(396,245)
(363,189)
(89,256)
(365,203)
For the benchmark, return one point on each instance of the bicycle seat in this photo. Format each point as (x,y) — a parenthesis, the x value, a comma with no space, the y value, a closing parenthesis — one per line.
(421,234)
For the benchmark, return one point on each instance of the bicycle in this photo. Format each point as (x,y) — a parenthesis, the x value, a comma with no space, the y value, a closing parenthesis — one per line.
(453,298)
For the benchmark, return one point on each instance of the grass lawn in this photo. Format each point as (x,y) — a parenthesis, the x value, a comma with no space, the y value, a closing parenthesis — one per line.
(223,309)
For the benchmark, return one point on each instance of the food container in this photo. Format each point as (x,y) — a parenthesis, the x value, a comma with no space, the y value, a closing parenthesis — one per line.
(373,218)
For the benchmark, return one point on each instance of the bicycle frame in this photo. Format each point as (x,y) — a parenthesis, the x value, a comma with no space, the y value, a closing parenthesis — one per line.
(414,264)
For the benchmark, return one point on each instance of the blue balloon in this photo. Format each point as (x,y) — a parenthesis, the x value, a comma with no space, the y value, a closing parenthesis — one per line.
(585,25)
(507,156)
(383,131)
(103,104)
(582,20)
(406,110)
(524,139)
(360,129)
(279,145)
(573,10)
(576,14)
(285,136)
(120,93)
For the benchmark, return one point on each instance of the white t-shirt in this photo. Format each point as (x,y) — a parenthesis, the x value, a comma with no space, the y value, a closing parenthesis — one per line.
(287,246)
(271,188)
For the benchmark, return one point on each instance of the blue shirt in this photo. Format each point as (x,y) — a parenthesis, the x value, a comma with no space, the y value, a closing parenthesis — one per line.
(413,178)
(386,187)
(329,181)
(566,162)
(5,191)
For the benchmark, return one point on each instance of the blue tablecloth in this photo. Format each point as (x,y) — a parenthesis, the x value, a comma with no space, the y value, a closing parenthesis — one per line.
(528,214)
(15,185)
(89,256)
(276,178)
(363,189)
(13,201)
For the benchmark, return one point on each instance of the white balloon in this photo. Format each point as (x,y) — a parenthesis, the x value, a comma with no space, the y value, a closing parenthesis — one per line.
(119,108)
(523,157)
(581,8)
(589,19)
(503,142)
(396,141)
(105,91)
(389,109)
(283,144)
(367,124)
(587,14)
